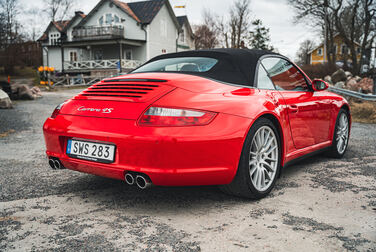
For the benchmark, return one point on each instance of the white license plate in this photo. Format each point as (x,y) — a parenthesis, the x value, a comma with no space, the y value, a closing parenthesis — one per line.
(98,152)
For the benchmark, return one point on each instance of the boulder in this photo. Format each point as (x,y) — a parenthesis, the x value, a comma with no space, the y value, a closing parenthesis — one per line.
(328,79)
(340,84)
(352,84)
(339,75)
(357,78)
(24,92)
(5,102)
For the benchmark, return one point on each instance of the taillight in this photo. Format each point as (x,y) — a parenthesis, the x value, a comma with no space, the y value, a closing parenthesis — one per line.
(158,116)
(57,110)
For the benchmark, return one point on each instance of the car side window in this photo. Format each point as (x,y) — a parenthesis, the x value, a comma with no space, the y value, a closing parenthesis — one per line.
(285,75)
(263,80)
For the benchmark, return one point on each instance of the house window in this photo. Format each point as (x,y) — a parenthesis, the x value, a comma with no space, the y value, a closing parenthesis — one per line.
(182,36)
(98,55)
(128,54)
(109,19)
(73,56)
(319,52)
(358,50)
(344,49)
(54,38)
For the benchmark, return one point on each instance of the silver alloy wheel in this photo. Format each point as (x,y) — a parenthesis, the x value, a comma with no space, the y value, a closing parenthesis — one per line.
(342,135)
(263,159)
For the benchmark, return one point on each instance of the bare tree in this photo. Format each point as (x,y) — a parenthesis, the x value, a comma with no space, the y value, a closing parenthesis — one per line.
(235,29)
(303,52)
(354,20)
(8,9)
(241,10)
(317,15)
(58,9)
(205,37)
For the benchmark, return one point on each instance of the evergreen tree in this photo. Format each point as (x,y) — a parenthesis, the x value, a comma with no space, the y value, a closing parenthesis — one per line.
(259,36)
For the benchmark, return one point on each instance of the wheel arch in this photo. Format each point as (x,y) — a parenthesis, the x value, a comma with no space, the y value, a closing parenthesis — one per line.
(276,122)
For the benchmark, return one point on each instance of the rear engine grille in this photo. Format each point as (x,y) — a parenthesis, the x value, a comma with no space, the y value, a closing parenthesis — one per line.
(116,89)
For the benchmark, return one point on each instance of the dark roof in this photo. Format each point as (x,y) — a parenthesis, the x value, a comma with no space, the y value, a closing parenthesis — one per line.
(146,10)
(125,7)
(61,24)
(182,19)
(237,66)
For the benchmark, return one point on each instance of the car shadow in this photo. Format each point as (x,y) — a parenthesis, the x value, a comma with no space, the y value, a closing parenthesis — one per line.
(116,194)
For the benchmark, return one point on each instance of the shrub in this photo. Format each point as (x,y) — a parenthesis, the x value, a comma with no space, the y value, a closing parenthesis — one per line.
(319,71)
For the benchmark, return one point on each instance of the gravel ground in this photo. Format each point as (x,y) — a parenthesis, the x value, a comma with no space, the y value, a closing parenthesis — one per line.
(319,204)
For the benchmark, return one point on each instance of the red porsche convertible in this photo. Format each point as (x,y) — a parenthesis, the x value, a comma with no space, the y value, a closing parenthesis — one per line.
(228,117)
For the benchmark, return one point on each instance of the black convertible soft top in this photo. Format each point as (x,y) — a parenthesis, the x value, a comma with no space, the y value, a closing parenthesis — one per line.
(237,66)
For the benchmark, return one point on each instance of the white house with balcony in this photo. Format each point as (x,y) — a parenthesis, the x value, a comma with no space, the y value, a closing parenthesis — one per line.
(115,36)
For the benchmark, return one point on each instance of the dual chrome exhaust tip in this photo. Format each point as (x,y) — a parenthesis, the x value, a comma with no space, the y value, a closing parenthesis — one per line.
(141,180)
(55,163)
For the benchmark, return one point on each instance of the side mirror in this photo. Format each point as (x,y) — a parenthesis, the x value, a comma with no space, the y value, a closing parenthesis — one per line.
(319,85)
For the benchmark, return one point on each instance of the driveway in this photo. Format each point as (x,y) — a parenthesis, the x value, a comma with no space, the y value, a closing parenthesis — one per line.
(319,204)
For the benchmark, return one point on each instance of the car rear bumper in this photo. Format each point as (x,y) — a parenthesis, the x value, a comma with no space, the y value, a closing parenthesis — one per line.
(170,156)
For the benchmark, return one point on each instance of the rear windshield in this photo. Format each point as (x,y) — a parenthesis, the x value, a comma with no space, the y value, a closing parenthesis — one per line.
(181,64)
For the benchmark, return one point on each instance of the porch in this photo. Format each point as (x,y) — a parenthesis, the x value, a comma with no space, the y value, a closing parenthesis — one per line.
(100,64)
(102,56)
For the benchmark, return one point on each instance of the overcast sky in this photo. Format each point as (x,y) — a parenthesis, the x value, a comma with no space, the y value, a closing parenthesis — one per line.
(276,15)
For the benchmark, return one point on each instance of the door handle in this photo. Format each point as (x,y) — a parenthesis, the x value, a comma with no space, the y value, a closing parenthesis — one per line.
(293,108)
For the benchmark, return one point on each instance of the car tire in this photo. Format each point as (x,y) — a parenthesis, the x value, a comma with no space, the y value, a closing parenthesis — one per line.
(341,133)
(255,179)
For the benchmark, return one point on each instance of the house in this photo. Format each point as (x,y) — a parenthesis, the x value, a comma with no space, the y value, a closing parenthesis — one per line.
(318,54)
(113,32)
(186,36)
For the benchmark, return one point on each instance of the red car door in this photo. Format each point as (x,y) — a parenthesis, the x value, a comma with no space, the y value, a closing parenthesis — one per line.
(308,115)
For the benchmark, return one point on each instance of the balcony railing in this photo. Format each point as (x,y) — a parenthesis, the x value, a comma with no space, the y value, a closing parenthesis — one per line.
(97,32)
(100,64)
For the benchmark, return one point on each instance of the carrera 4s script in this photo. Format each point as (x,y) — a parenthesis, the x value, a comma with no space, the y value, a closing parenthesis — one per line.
(228,117)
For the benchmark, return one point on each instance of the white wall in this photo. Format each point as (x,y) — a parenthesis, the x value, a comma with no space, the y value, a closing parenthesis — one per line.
(131,29)
(156,41)
(139,53)
(54,58)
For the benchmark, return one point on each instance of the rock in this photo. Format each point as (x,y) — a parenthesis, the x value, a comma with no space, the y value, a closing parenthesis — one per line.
(366,85)
(339,75)
(24,93)
(328,79)
(5,102)
(357,78)
(348,74)
(352,84)
(340,84)
(36,92)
